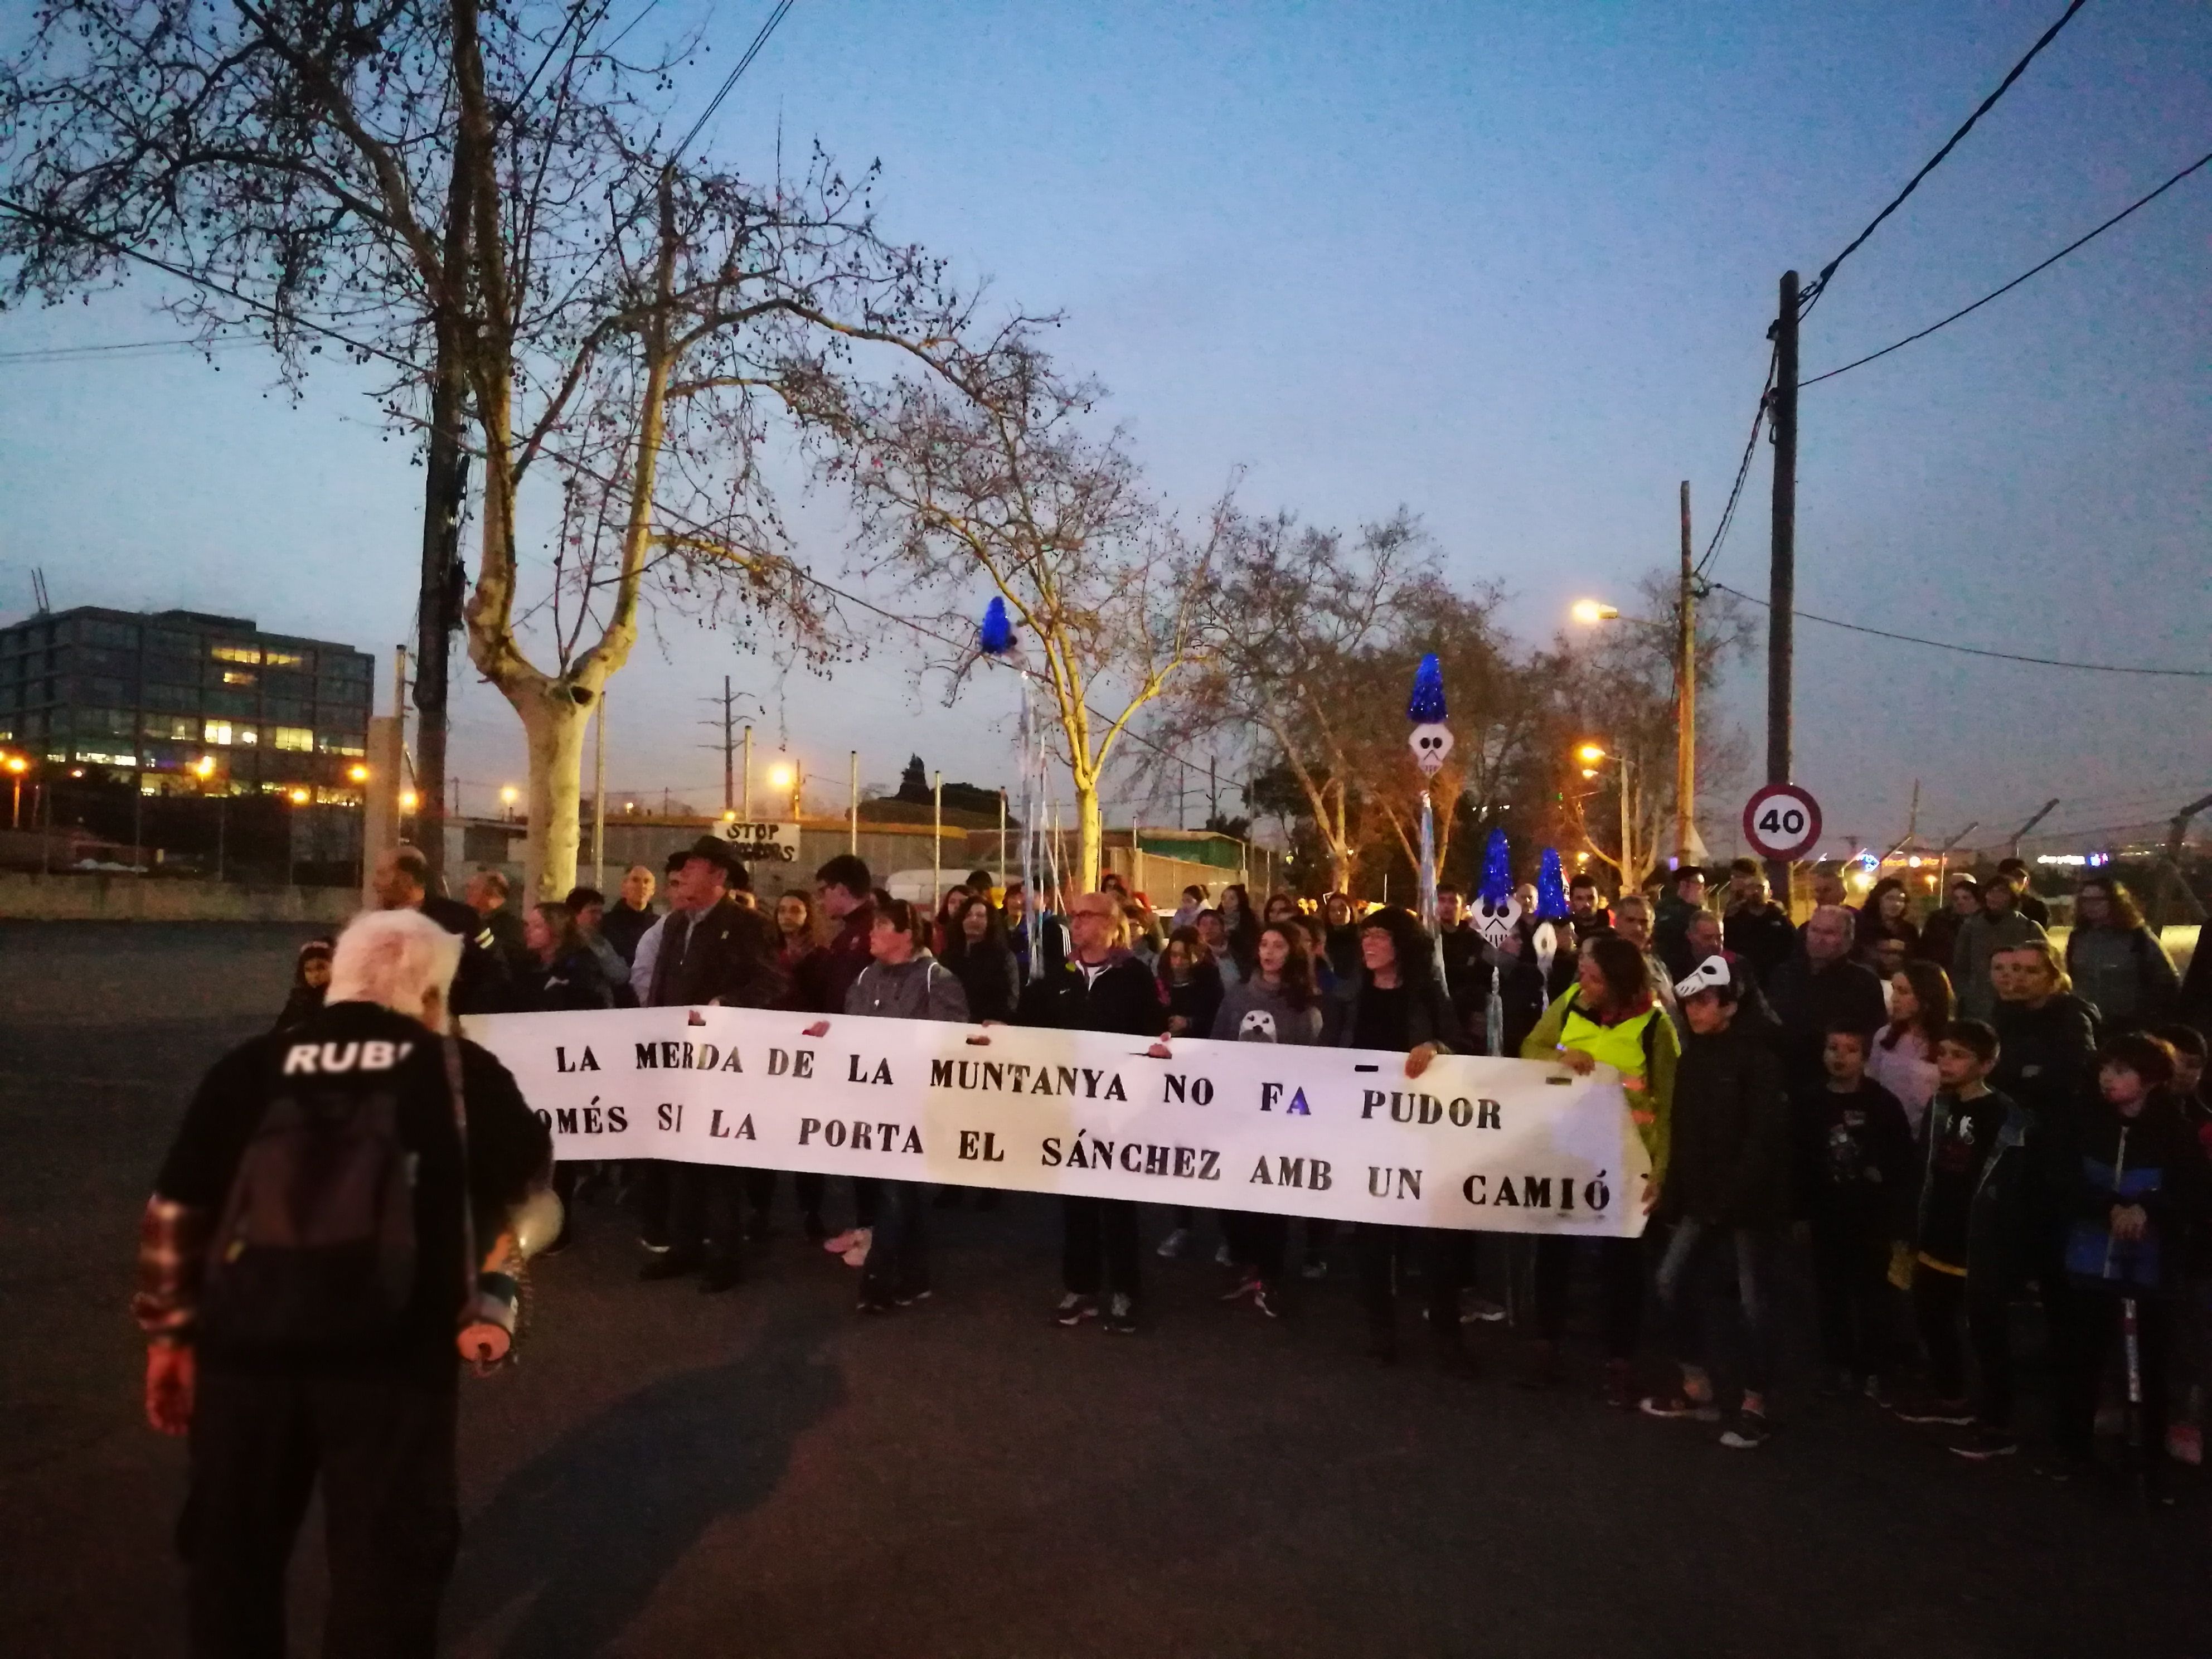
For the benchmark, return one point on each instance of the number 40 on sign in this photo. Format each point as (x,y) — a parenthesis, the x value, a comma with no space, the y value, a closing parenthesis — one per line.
(1782,822)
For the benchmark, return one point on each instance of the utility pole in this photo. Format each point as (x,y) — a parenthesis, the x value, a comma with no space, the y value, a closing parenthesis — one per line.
(746,797)
(936,841)
(1685,698)
(2041,813)
(1781,580)
(1628,865)
(853,811)
(1212,790)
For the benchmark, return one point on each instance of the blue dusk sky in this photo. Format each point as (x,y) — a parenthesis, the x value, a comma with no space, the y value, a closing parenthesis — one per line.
(1511,266)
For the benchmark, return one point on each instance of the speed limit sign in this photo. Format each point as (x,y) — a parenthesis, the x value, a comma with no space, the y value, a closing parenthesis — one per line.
(1782,822)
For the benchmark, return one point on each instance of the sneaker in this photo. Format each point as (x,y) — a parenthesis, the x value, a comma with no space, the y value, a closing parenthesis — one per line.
(1267,1302)
(857,1253)
(1248,1285)
(1620,1385)
(1749,1432)
(1877,1391)
(869,1302)
(838,1243)
(1222,1258)
(1172,1246)
(908,1298)
(668,1264)
(1074,1307)
(1982,1442)
(657,1248)
(2185,1444)
(1315,1268)
(1478,1310)
(1675,1404)
(1121,1314)
(1951,1413)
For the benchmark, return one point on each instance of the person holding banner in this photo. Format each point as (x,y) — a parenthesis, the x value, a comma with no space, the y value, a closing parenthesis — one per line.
(1608,1016)
(1277,1004)
(1100,988)
(846,892)
(1396,1006)
(902,981)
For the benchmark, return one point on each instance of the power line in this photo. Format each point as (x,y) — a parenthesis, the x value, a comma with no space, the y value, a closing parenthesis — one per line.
(1742,472)
(120,348)
(1812,295)
(745,63)
(2144,200)
(1977,651)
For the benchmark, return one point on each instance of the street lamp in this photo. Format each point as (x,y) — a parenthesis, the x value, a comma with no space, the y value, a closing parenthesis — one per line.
(508,794)
(16,767)
(357,773)
(1684,628)
(1590,612)
(784,774)
(407,800)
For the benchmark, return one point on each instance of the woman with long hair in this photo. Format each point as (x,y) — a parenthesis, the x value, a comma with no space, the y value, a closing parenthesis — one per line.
(1277,1004)
(1903,1058)
(1609,1016)
(564,974)
(1240,929)
(1397,1006)
(978,952)
(2117,964)
(1190,984)
(311,978)
(1883,916)
(798,931)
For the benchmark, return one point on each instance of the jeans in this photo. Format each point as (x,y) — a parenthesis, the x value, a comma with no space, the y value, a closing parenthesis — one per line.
(1851,1289)
(1692,1251)
(1620,1273)
(1386,1251)
(1098,1247)
(383,1450)
(898,1254)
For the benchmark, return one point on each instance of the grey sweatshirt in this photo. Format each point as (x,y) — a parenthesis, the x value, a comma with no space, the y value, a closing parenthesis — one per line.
(1253,1012)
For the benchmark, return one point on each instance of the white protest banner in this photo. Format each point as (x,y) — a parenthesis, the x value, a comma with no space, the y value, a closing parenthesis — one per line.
(1500,1144)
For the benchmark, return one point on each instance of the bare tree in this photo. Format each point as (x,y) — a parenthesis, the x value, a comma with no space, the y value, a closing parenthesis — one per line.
(980,467)
(1290,625)
(475,199)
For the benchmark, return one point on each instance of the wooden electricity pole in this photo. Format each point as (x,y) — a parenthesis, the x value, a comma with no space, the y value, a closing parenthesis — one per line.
(1781,580)
(1686,699)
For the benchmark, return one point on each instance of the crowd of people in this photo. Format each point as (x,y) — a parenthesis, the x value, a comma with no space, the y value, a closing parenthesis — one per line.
(1960,1131)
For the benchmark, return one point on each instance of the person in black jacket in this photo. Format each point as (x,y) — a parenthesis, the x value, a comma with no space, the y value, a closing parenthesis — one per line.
(1754,926)
(287,1374)
(1726,1194)
(565,976)
(401,881)
(1101,987)
(1816,990)
(2138,1196)
(712,950)
(311,974)
(1860,1202)
(978,953)
(1395,1005)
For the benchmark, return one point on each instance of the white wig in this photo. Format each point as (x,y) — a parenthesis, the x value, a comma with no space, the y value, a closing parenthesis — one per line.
(396,958)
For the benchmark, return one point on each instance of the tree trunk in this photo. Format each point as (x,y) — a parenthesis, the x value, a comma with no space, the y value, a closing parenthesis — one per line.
(553,723)
(1091,834)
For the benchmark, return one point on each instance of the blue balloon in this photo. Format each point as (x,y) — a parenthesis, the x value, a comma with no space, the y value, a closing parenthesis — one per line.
(1551,888)
(998,636)
(1426,706)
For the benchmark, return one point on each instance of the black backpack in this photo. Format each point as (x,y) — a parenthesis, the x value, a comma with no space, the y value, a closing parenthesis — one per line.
(316,1248)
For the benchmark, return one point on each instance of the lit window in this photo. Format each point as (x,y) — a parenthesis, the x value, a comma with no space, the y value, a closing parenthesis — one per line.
(301,737)
(237,676)
(248,734)
(281,660)
(217,732)
(236,653)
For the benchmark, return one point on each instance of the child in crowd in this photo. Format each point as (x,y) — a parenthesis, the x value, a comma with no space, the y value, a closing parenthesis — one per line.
(2138,1193)
(1726,1193)
(1970,1134)
(1858,1204)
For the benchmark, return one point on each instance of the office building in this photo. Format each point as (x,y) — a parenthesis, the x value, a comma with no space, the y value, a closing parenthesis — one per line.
(192,703)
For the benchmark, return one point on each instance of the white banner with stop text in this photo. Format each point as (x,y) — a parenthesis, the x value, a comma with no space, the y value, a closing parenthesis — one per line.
(1504,1145)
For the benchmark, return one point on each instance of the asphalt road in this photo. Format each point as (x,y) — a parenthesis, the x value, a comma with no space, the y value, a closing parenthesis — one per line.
(768,1475)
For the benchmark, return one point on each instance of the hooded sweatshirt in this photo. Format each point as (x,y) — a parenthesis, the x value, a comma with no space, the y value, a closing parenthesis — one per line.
(1255,1011)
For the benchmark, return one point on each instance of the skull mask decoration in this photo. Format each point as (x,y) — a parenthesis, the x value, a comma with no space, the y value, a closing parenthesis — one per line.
(1494,920)
(1430,745)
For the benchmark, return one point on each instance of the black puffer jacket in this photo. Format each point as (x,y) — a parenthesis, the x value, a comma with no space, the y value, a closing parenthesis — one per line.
(1727,1163)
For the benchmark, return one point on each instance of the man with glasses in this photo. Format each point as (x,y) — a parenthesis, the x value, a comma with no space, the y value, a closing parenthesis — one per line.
(1101,987)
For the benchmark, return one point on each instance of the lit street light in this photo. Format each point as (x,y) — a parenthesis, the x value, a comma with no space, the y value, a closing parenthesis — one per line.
(508,795)
(1589,612)
(357,773)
